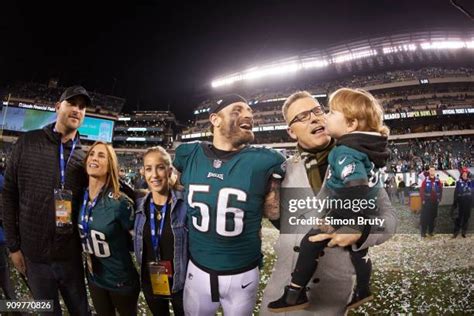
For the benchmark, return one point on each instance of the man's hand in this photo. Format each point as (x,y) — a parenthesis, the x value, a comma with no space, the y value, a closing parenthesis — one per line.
(271,206)
(18,261)
(341,240)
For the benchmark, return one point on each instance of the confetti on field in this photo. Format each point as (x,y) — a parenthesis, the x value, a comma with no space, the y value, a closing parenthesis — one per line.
(432,276)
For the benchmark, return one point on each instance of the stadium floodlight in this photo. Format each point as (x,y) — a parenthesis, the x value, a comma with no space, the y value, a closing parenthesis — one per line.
(123,118)
(335,56)
(399,48)
(454,44)
(353,55)
(259,72)
(316,63)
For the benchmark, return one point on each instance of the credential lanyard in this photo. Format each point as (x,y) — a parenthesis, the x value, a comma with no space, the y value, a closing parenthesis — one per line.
(156,235)
(86,212)
(63,163)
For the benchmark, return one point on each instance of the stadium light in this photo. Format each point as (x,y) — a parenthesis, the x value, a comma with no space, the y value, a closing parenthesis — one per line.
(314,64)
(355,55)
(340,57)
(399,48)
(443,45)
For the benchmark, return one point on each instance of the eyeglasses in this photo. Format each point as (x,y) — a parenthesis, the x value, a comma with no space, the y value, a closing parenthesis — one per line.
(306,115)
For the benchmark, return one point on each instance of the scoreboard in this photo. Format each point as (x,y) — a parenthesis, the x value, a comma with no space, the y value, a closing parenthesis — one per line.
(22,119)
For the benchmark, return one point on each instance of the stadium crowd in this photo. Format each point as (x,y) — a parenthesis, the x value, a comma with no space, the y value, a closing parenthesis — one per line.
(42,93)
(357,81)
(394,100)
(451,152)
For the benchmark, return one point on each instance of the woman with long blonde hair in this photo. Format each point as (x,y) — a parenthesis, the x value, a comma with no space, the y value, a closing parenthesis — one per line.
(161,235)
(105,222)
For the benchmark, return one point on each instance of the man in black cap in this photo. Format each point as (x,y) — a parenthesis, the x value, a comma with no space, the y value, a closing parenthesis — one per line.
(43,190)
(229,186)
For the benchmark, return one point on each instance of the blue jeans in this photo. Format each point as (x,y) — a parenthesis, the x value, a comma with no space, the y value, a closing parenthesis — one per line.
(45,279)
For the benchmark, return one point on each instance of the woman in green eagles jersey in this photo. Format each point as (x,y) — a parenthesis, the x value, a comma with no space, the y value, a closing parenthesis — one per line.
(105,221)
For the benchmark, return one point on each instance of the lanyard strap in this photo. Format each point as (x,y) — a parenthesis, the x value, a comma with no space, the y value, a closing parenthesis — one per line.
(156,235)
(86,212)
(63,163)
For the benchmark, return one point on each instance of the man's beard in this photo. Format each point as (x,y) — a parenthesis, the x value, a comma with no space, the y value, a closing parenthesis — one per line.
(236,136)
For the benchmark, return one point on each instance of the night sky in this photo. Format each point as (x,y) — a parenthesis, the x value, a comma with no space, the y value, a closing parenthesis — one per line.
(156,55)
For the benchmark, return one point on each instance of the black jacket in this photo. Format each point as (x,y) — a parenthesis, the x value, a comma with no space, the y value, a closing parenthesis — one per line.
(31,176)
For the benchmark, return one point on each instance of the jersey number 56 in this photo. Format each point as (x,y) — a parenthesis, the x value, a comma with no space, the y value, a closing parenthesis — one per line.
(223,209)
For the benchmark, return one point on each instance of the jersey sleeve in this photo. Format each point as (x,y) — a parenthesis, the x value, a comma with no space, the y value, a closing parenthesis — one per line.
(182,154)
(278,165)
(350,169)
(126,213)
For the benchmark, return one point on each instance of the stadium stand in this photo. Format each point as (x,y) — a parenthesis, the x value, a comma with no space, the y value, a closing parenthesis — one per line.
(43,94)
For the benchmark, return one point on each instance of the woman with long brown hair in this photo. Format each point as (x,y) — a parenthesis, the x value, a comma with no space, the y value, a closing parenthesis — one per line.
(105,222)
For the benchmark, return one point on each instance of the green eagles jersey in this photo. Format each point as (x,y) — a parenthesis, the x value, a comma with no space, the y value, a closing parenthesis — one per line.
(109,244)
(225,200)
(349,167)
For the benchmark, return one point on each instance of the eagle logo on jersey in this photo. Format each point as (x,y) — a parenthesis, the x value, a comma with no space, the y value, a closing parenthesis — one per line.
(348,170)
(217,163)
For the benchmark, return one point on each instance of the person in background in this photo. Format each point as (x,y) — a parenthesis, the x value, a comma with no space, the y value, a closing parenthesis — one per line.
(431,191)
(463,195)
(105,224)
(391,187)
(140,183)
(401,190)
(125,186)
(161,238)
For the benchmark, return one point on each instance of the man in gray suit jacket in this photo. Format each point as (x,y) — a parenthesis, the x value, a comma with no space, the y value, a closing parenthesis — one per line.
(332,283)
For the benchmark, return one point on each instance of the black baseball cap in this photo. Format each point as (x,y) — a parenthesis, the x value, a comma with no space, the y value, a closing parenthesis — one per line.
(224,101)
(75,91)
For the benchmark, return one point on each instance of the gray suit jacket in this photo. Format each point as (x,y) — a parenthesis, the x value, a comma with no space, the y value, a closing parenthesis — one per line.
(332,283)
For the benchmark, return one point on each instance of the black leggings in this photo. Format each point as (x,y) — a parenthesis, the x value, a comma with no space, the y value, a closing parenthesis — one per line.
(308,262)
(159,305)
(106,302)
